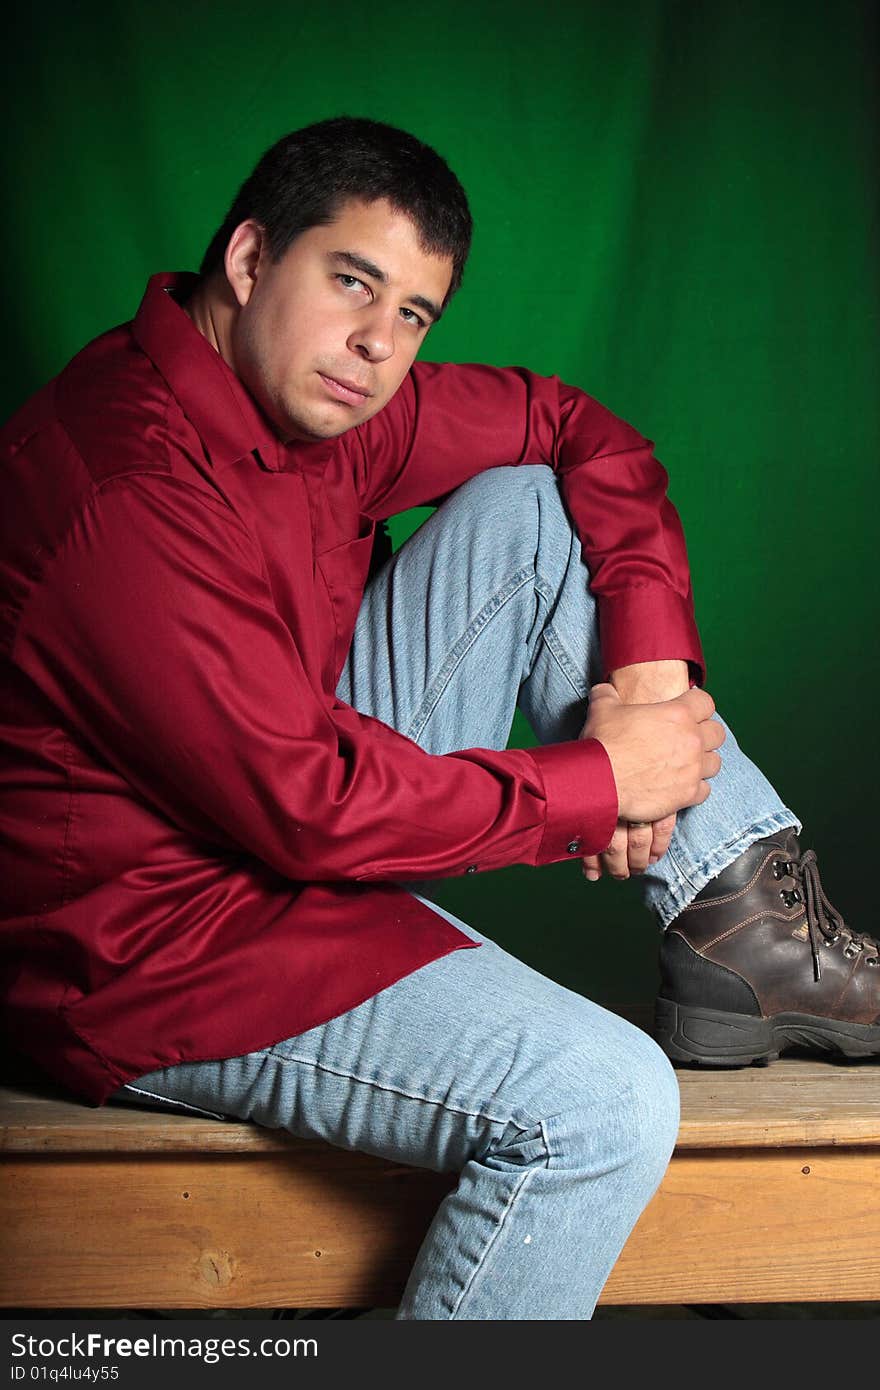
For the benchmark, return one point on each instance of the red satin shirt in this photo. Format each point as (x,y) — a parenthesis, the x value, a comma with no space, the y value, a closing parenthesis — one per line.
(201,844)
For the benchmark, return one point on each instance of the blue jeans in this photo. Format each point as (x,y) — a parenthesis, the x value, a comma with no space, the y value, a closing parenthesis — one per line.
(559,1116)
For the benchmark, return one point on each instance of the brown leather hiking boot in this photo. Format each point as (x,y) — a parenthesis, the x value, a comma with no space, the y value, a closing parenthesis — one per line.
(761,962)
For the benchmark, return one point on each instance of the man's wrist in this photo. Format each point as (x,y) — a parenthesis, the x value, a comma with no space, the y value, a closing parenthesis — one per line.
(648,682)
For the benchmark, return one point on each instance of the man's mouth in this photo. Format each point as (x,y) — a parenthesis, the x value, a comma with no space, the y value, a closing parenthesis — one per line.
(345,390)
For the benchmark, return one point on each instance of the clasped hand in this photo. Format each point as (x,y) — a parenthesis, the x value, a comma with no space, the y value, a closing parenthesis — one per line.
(661,740)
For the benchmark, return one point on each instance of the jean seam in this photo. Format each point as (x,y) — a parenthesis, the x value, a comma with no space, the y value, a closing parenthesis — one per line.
(462,645)
(171,1100)
(499,1226)
(393,1090)
(567,667)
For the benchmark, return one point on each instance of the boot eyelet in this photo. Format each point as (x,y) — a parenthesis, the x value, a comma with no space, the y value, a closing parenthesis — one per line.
(873,961)
(851,950)
(778,869)
(832,940)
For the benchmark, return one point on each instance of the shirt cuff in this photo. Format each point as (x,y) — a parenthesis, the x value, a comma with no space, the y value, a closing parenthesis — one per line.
(649,623)
(581,797)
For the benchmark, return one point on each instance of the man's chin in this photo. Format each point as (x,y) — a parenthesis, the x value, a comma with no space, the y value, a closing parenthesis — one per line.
(302,433)
(312,428)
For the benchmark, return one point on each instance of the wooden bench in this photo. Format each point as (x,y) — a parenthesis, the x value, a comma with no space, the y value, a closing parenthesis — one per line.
(773,1195)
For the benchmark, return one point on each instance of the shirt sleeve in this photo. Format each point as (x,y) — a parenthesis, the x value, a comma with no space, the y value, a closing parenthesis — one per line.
(449,422)
(155,634)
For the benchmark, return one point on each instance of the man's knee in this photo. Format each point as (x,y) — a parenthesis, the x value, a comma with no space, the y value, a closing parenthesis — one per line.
(595,1113)
(511,487)
(520,508)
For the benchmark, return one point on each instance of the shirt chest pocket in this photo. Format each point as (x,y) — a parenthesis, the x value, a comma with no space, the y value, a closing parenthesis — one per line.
(344,570)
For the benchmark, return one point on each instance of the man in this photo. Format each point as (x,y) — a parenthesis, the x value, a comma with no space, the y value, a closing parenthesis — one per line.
(226,760)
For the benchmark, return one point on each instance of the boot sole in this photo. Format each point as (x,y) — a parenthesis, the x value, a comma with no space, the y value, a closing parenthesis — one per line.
(710,1038)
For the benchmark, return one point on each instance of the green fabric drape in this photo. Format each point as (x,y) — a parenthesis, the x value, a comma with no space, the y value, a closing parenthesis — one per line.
(676,208)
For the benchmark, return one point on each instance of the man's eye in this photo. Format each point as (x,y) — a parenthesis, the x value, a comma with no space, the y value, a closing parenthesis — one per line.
(414,318)
(350,281)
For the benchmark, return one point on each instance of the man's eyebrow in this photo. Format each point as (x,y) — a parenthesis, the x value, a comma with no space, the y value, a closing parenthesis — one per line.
(365,267)
(360,263)
(428,305)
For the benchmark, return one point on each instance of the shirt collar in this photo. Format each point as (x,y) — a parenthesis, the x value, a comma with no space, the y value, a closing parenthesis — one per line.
(225,414)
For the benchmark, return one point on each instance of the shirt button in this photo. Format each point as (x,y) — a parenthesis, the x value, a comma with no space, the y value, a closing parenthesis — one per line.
(471,869)
(574,846)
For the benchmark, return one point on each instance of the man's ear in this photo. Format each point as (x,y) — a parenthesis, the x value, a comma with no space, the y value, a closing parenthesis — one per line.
(243,252)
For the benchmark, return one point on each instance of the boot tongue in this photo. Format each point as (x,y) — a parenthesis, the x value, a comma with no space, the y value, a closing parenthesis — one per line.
(785,840)
(791,844)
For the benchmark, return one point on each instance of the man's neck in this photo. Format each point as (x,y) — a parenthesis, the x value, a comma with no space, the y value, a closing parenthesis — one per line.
(212,312)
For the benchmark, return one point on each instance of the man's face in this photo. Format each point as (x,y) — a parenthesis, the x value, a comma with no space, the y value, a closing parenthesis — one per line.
(324,337)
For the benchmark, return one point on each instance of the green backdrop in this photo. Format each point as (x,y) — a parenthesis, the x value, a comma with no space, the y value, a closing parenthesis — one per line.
(676,208)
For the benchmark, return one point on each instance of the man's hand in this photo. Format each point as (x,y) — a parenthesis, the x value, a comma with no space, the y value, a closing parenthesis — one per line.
(634,847)
(662,756)
(632,850)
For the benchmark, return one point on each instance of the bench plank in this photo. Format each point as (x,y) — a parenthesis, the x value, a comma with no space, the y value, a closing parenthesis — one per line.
(235,1231)
(762,1226)
(797,1101)
(257,1231)
(773,1194)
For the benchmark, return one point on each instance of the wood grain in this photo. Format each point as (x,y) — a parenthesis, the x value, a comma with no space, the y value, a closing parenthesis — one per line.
(796,1101)
(201,1232)
(757,1227)
(257,1231)
(773,1194)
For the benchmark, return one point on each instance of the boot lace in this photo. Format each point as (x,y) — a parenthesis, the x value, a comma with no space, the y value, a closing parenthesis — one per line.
(824,922)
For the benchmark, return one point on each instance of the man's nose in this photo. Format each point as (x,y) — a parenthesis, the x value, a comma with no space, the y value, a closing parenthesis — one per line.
(373,338)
